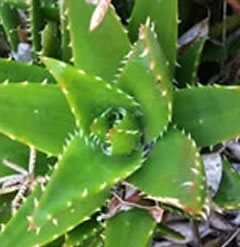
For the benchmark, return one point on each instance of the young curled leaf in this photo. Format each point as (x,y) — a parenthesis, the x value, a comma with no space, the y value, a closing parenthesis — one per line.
(117,131)
(100,108)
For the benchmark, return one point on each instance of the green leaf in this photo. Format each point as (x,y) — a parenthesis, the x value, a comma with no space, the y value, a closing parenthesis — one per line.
(88,96)
(95,241)
(50,12)
(16,3)
(36,23)
(23,235)
(117,131)
(191,46)
(5,208)
(146,77)
(227,196)
(50,40)
(14,152)
(82,233)
(20,219)
(36,115)
(18,153)
(49,3)
(83,190)
(128,229)
(19,72)
(188,64)
(164,14)
(99,52)
(10,20)
(65,34)
(163,230)
(175,175)
(210,114)
(59,242)
(28,238)
(122,138)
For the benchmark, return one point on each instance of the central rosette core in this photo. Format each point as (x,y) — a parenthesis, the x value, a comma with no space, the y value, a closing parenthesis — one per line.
(117,132)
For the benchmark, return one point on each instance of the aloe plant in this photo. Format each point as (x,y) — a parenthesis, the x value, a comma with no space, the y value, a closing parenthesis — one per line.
(103,103)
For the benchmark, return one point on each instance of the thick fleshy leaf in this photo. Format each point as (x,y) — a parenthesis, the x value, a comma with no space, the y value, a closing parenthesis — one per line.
(36,115)
(188,64)
(50,10)
(51,13)
(12,151)
(50,40)
(36,23)
(91,50)
(163,230)
(131,228)
(210,114)
(95,241)
(10,20)
(49,3)
(24,236)
(18,153)
(5,208)
(16,3)
(191,46)
(227,196)
(116,131)
(19,72)
(164,14)
(146,77)
(82,233)
(175,175)
(200,30)
(65,34)
(98,243)
(94,173)
(59,242)
(21,219)
(88,96)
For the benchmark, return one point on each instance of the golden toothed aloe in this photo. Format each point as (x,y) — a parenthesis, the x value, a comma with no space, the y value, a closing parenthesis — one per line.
(108,111)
